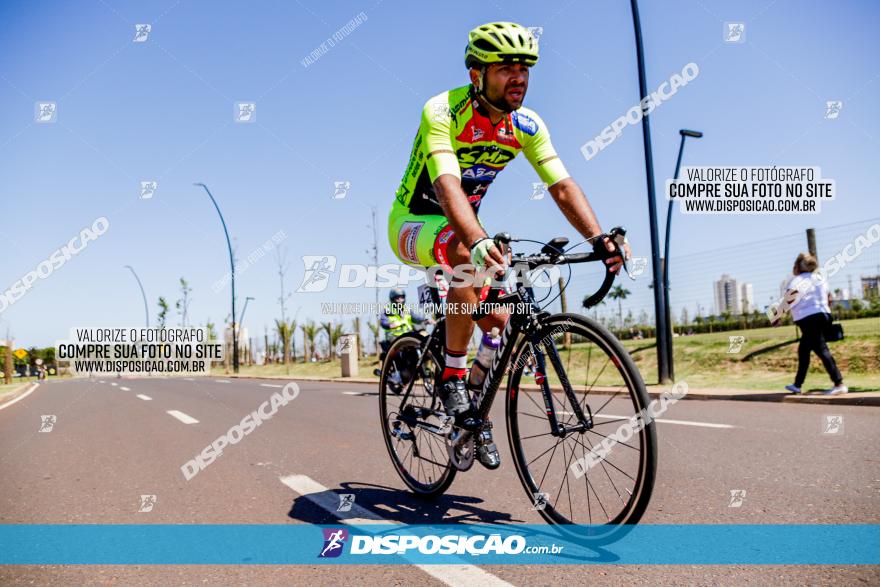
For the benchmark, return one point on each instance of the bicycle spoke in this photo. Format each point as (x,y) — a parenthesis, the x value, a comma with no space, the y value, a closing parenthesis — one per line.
(605,460)
(543,453)
(541,484)
(618,442)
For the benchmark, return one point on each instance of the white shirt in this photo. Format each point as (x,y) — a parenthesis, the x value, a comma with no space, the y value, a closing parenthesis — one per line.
(812,300)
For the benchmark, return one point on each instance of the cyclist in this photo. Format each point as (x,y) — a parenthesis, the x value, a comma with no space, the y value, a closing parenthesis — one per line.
(396,318)
(466,137)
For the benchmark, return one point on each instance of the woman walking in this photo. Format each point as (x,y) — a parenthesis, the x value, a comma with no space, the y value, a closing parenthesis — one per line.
(812,314)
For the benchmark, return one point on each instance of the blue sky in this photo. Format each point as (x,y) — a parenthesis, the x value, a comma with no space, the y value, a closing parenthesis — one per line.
(163,110)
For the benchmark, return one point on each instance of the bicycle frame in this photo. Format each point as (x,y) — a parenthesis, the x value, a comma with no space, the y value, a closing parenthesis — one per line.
(526,324)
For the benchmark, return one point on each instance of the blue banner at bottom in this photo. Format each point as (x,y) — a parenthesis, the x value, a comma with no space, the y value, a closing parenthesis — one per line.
(161,544)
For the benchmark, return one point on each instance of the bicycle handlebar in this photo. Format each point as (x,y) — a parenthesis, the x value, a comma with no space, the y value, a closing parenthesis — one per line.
(617,236)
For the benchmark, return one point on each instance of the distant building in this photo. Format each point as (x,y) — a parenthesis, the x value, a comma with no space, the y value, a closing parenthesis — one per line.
(870,286)
(726,295)
(746,299)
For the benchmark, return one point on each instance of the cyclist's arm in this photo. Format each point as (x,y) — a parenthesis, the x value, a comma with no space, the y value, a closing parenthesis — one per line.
(384,321)
(565,191)
(458,210)
(574,206)
(577,210)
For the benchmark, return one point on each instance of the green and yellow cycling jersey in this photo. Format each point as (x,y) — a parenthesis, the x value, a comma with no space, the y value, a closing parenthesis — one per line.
(456,137)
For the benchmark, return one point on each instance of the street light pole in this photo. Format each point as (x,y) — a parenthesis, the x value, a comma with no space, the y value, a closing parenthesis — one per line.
(249,353)
(684,134)
(232,268)
(246,300)
(143,295)
(659,290)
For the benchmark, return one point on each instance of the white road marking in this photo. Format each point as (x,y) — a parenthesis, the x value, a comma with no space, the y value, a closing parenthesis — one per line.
(664,420)
(221,381)
(114,384)
(188,379)
(270,385)
(329,500)
(351,393)
(182,417)
(125,388)
(146,398)
(21,397)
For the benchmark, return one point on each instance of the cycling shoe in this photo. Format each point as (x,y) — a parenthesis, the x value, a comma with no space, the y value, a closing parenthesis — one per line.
(487,452)
(455,397)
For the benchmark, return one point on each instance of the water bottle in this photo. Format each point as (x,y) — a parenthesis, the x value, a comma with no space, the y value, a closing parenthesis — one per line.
(488,345)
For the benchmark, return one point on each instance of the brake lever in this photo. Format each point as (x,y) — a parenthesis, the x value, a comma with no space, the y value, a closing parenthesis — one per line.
(618,235)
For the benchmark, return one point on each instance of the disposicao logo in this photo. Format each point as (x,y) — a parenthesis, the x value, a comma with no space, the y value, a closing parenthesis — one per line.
(334,539)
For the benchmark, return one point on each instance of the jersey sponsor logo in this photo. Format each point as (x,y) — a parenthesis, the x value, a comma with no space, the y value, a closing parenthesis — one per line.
(524,123)
(478,133)
(441,243)
(504,134)
(479,172)
(407,240)
(488,154)
(460,105)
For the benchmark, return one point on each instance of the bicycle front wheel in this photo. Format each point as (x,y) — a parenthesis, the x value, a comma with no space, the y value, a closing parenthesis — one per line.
(563,476)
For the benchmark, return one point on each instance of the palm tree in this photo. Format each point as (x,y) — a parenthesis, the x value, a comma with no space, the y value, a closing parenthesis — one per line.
(163,313)
(310,330)
(374,330)
(335,335)
(327,327)
(285,332)
(619,293)
(726,315)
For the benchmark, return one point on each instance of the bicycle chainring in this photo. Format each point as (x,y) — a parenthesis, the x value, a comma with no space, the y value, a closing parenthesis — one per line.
(460,446)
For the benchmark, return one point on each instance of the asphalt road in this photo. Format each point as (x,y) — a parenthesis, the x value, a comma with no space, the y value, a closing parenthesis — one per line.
(114,440)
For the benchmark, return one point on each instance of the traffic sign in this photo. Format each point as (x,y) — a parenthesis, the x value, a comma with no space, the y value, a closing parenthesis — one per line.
(20,353)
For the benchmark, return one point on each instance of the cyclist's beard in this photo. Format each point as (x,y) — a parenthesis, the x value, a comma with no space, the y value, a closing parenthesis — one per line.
(502,103)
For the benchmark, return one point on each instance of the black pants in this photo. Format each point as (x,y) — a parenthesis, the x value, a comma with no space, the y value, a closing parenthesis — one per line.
(813,341)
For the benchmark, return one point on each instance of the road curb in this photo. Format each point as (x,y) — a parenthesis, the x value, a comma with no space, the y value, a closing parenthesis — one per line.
(18,396)
(855,399)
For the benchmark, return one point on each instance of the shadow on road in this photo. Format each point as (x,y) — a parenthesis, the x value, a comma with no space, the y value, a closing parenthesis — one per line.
(398,506)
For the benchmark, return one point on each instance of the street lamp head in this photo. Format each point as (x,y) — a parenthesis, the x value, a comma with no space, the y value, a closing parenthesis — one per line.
(690,133)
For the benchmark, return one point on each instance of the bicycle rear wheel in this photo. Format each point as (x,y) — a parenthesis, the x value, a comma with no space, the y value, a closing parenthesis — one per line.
(612,490)
(419,456)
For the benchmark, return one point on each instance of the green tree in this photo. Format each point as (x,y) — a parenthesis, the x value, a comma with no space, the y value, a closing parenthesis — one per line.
(182,304)
(163,313)
(374,330)
(310,331)
(212,330)
(285,329)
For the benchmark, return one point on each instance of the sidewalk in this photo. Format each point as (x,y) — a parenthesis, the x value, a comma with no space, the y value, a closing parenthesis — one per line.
(869,398)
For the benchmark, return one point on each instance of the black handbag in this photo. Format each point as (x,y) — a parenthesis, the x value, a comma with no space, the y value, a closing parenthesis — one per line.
(833,331)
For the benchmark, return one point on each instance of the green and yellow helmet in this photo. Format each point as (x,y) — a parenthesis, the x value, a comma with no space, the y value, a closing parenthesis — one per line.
(500,42)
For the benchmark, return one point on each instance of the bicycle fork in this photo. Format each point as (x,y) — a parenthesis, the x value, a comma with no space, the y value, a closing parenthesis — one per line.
(584,422)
